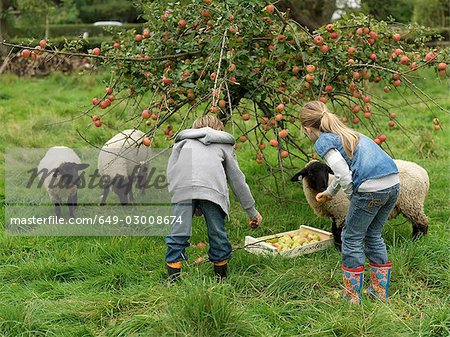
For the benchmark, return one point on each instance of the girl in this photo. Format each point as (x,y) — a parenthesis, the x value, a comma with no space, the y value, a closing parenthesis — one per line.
(369,178)
(200,165)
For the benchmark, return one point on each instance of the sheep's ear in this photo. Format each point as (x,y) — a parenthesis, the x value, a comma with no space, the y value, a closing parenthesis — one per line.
(330,171)
(299,176)
(81,167)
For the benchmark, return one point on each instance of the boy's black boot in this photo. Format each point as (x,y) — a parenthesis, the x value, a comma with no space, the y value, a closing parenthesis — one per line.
(220,269)
(173,271)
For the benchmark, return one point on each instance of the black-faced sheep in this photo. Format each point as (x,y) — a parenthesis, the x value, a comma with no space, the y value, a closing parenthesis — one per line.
(59,173)
(123,162)
(414,185)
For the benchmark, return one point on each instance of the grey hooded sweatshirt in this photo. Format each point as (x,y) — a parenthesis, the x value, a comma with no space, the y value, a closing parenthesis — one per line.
(201,163)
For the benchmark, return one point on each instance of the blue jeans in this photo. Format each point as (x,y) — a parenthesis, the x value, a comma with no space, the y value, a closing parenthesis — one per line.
(367,214)
(178,240)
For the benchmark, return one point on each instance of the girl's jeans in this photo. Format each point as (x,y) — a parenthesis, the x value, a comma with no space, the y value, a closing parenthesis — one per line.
(178,240)
(367,214)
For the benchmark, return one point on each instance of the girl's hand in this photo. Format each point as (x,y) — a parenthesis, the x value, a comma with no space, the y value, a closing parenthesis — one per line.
(323,197)
(255,221)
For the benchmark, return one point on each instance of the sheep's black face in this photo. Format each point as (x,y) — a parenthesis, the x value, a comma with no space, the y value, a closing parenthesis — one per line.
(316,176)
(69,175)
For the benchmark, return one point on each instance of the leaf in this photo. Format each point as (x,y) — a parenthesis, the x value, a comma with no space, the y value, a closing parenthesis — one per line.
(188,85)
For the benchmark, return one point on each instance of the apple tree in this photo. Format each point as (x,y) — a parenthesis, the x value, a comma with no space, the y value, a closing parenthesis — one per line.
(254,67)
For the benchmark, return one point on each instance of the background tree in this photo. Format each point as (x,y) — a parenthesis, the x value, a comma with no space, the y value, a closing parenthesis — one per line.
(309,13)
(399,10)
(432,13)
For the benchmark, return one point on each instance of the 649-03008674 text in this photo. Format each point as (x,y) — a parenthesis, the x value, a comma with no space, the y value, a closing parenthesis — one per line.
(99,220)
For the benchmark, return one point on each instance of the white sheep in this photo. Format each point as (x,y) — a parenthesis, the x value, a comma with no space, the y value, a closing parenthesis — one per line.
(122,162)
(414,185)
(59,173)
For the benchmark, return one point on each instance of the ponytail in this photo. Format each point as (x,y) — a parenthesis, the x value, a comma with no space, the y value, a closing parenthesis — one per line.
(316,114)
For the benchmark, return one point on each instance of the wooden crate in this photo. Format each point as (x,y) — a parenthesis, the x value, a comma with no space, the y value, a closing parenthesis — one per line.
(258,246)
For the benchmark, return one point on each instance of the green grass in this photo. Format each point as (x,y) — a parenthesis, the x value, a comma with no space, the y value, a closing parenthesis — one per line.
(114,286)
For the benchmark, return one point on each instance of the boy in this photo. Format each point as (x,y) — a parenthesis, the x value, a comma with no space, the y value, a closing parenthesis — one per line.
(201,164)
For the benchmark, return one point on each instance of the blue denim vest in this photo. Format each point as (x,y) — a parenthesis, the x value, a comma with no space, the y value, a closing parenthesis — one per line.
(369,160)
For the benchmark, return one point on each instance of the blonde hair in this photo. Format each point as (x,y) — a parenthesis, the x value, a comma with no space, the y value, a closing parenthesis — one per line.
(316,114)
(208,121)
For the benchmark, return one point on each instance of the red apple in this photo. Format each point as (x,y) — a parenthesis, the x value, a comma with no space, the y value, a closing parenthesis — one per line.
(280,107)
(310,68)
(284,154)
(26,53)
(167,81)
(283,133)
(146,114)
(404,59)
(96,51)
(396,37)
(442,66)
(43,44)
(147,141)
(270,8)
(334,35)
(318,40)
(324,49)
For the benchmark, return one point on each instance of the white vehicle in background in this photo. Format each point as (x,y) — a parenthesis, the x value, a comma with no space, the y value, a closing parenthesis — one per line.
(108,23)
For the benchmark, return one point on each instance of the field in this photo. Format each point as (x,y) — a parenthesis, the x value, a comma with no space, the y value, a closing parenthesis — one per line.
(114,286)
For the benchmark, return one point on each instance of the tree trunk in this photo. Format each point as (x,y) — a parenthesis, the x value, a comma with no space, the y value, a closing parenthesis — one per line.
(309,13)
(2,48)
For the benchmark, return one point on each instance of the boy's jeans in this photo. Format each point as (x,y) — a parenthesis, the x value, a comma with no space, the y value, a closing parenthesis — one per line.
(178,240)
(367,214)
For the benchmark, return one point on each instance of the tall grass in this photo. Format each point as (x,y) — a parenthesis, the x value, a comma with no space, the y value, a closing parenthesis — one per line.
(114,286)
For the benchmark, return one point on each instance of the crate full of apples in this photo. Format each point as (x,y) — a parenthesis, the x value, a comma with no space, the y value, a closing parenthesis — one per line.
(304,240)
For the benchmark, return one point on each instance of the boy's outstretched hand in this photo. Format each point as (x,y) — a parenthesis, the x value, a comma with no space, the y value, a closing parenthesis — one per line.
(255,221)
(323,197)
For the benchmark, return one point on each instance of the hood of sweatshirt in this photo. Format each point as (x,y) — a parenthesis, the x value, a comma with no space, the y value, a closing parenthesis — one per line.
(206,135)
